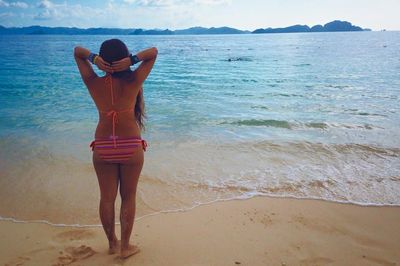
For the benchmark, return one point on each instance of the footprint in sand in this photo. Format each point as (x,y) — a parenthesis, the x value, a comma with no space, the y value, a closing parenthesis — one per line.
(263,218)
(18,261)
(74,254)
(65,257)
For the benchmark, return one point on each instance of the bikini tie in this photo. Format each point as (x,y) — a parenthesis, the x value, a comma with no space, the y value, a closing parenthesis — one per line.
(92,145)
(114,115)
(144,144)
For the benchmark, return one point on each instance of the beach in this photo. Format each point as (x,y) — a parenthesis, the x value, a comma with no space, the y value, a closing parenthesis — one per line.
(257,231)
(280,149)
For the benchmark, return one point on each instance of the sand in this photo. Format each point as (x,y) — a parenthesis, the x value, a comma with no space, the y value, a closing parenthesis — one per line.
(258,231)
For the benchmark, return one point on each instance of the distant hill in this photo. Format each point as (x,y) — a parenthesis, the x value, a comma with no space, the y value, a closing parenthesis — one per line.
(291,29)
(151,32)
(336,25)
(201,30)
(116,31)
(333,26)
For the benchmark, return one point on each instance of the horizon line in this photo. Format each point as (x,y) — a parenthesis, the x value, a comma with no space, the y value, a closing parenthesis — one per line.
(198,26)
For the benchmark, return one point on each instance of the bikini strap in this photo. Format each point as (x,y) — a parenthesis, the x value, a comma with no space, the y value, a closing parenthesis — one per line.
(110,81)
(142,141)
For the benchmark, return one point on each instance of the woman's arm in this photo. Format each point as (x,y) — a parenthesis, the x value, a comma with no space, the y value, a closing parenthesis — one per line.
(148,58)
(85,68)
(148,54)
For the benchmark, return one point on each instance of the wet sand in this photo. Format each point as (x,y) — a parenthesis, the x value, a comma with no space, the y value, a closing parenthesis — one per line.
(258,231)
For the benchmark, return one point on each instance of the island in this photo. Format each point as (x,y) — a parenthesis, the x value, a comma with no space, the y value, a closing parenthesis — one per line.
(334,26)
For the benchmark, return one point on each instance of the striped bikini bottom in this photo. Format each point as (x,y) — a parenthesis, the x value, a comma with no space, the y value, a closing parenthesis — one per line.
(117,150)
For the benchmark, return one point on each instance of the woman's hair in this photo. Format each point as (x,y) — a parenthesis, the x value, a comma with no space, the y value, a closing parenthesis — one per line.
(113,50)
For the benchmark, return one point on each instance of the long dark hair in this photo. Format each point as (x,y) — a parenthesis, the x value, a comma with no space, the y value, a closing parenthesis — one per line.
(113,50)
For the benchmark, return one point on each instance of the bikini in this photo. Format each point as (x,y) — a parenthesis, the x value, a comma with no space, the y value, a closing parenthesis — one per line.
(116,149)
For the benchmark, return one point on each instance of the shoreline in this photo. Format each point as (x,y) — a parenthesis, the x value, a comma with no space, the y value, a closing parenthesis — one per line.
(256,231)
(188,209)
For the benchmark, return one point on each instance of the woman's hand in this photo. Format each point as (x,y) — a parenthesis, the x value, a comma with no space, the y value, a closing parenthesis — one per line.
(103,65)
(122,64)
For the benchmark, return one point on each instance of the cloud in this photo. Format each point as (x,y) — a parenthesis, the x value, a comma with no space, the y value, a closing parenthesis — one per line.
(170,3)
(49,10)
(126,13)
(151,3)
(6,15)
(45,4)
(13,4)
(212,2)
(52,11)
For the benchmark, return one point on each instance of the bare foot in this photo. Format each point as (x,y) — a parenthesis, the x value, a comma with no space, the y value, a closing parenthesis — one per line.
(114,247)
(131,250)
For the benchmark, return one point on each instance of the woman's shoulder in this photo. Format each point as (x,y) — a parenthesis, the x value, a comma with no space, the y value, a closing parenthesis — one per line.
(130,80)
(95,82)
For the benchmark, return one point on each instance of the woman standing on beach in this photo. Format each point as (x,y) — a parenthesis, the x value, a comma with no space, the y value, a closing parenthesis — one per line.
(118,146)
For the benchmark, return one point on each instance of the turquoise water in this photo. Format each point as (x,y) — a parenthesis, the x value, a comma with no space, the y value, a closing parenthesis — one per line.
(312,115)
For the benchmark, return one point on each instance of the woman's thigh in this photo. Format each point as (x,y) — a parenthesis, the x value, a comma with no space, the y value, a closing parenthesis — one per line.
(129,174)
(108,176)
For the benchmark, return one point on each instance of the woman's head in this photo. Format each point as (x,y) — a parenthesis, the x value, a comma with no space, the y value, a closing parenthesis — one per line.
(114,50)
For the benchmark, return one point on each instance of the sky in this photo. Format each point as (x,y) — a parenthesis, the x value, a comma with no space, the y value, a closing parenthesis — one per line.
(179,14)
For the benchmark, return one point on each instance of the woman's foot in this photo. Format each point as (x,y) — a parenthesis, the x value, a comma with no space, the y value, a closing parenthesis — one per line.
(129,251)
(114,246)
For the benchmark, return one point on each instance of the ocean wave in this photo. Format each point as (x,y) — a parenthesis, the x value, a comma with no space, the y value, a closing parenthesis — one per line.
(337,86)
(302,65)
(261,122)
(239,59)
(260,107)
(363,113)
(295,124)
(179,175)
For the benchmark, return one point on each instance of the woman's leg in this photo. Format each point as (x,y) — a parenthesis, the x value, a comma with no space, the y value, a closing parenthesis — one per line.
(107,175)
(129,177)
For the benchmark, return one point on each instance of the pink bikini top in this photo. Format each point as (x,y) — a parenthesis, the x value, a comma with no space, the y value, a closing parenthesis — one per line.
(113,113)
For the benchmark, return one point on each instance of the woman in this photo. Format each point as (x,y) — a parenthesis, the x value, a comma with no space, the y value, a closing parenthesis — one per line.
(118,147)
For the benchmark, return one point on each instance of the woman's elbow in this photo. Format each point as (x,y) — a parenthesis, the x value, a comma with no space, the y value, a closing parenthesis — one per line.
(76,49)
(155,51)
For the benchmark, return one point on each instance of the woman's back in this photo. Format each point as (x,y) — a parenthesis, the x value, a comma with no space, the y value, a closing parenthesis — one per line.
(115,99)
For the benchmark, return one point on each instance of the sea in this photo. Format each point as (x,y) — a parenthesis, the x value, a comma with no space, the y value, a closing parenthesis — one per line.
(307,115)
